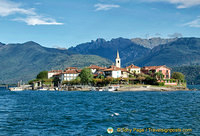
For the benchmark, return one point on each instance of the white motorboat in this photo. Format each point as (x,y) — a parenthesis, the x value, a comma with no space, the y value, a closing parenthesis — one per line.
(112,88)
(43,89)
(100,89)
(16,89)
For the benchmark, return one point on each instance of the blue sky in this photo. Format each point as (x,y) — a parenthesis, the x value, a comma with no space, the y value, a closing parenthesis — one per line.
(65,23)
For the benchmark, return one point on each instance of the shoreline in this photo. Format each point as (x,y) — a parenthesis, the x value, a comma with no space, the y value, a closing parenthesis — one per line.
(150,88)
(143,88)
(122,88)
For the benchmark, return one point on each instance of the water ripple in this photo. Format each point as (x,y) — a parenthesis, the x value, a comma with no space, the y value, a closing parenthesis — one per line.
(91,113)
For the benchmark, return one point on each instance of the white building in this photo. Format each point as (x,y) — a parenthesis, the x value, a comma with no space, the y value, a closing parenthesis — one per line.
(53,72)
(116,71)
(133,69)
(113,71)
(70,73)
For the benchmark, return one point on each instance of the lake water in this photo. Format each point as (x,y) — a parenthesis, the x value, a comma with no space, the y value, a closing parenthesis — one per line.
(54,113)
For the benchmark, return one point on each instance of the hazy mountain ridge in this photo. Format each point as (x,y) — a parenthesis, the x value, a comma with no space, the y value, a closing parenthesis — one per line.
(183,51)
(128,50)
(24,61)
(152,42)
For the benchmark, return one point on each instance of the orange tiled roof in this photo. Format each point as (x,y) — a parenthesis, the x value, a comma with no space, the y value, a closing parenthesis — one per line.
(132,66)
(71,72)
(95,67)
(154,67)
(114,68)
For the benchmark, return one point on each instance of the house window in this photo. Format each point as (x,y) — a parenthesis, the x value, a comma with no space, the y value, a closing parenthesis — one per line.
(160,71)
(167,76)
(167,71)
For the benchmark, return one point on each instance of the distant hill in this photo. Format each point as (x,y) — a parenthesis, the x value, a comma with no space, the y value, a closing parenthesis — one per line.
(183,51)
(192,73)
(152,42)
(25,61)
(128,50)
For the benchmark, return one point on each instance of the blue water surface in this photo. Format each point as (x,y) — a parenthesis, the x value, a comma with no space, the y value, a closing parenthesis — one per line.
(76,113)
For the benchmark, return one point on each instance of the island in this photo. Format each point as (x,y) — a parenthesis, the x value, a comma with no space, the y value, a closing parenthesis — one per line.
(114,78)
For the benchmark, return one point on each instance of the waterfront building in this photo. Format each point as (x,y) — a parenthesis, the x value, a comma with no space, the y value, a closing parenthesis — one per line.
(155,69)
(95,68)
(133,69)
(53,72)
(70,73)
(116,72)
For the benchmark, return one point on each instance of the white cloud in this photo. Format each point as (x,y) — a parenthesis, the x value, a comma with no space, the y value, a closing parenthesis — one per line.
(8,7)
(194,23)
(180,3)
(105,6)
(38,20)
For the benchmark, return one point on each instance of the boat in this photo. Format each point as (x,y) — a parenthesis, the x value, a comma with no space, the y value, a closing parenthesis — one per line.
(112,88)
(42,89)
(16,89)
(100,89)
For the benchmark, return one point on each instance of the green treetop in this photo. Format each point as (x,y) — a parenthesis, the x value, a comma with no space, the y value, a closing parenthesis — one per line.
(178,75)
(42,75)
(86,76)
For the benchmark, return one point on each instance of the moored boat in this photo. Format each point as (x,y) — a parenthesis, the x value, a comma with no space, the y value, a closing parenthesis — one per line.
(112,88)
(16,89)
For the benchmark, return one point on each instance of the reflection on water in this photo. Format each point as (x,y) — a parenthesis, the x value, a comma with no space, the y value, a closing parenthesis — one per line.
(91,113)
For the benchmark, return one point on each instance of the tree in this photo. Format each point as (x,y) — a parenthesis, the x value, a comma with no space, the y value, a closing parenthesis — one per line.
(159,75)
(151,80)
(141,78)
(86,76)
(76,81)
(178,76)
(108,80)
(56,81)
(98,82)
(42,75)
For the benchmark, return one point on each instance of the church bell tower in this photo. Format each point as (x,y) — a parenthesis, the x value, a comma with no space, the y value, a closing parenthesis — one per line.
(118,60)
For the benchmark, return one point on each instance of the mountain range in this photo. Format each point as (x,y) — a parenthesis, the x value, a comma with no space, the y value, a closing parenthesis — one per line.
(152,42)
(129,50)
(24,61)
(170,52)
(181,52)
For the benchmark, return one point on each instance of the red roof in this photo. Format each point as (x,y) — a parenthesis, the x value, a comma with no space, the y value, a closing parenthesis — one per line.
(132,66)
(114,68)
(72,72)
(55,71)
(95,67)
(154,67)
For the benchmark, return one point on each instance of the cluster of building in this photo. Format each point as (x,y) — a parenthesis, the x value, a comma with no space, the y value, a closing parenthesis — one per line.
(114,71)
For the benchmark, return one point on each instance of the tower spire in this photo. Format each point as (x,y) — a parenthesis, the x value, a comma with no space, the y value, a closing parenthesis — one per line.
(118,55)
